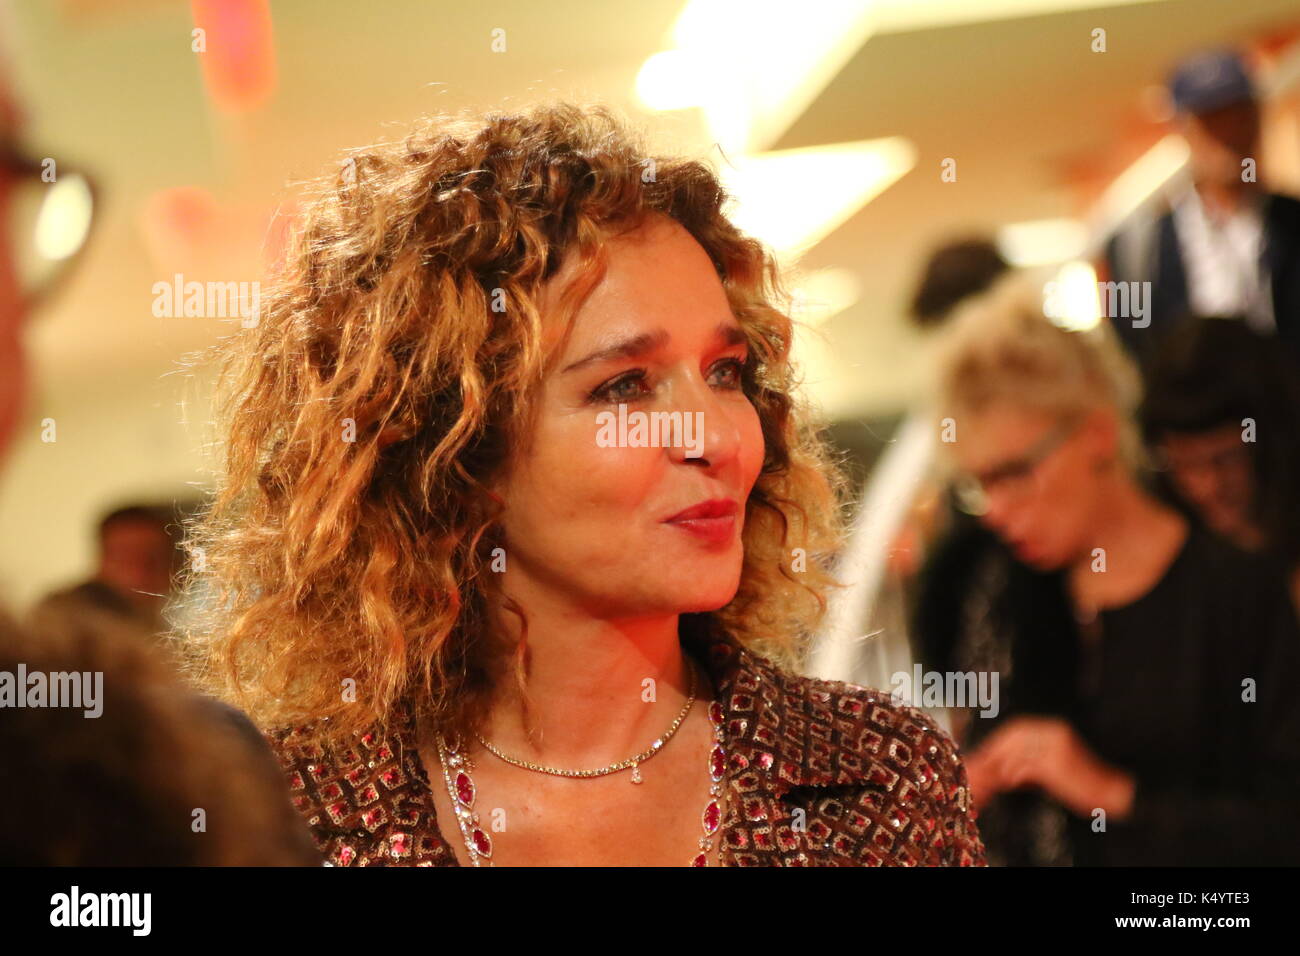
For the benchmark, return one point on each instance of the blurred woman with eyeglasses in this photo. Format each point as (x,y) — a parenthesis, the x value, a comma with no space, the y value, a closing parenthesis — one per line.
(1150,665)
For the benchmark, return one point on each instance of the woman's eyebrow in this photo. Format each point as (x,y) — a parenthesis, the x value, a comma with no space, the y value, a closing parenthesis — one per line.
(633,347)
(729,334)
(638,345)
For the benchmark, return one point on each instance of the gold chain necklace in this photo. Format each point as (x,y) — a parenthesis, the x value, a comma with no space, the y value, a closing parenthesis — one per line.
(456,766)
(634,762)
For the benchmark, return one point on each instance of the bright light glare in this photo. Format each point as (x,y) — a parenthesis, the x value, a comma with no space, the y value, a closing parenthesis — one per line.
(792,199)
(1042,241)
(1070,300)
(823,294)
(667,81)
(64,218)
(1135,185)
(753,71)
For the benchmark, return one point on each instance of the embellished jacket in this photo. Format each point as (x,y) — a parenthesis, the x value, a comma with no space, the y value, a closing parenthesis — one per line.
(819,773)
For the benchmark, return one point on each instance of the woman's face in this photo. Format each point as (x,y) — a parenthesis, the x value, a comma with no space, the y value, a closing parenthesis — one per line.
(595,517)
(1040,478)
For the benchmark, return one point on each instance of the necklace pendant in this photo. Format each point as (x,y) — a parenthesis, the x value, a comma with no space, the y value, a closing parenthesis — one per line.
(636,774)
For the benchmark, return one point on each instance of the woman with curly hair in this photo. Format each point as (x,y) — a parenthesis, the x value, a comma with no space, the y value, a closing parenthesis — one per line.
(488,617)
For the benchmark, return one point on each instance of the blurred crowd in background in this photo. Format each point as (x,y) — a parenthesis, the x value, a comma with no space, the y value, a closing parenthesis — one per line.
(1172,438)
(1169,428)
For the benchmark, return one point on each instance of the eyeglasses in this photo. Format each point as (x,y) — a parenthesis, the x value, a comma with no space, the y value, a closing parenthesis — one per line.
(47,210)
(1015,476)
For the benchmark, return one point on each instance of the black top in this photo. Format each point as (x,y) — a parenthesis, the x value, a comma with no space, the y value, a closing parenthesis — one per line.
(1157,692)
(1195,689)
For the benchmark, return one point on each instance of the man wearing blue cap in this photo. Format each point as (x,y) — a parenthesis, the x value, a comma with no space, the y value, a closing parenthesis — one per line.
(1223,246)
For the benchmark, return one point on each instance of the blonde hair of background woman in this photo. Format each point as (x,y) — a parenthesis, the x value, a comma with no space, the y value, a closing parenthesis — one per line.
(1002,347)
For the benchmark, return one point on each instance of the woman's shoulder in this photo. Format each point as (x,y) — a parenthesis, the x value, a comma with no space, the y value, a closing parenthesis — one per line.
(867,722)
(306,762)
(359,793)
(324,741)
(880,779)
(1215,572)
(311,753)
(838,731)
(299,743)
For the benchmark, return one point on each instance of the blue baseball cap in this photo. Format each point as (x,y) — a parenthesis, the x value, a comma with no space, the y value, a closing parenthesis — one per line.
(1210,81)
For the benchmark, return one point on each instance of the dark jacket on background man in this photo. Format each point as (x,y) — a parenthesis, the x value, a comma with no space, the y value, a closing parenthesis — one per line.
(1148,251)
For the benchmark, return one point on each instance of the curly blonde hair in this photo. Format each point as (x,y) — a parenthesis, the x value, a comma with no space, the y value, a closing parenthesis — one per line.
(326,559)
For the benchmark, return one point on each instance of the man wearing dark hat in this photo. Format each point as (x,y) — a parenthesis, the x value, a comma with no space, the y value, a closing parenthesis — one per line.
(1221,244)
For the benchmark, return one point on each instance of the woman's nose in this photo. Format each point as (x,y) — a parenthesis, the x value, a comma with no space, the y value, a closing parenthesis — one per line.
(710,434)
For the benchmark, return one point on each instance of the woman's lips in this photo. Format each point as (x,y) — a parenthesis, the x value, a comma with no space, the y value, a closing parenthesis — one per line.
(711,521)
(713,530)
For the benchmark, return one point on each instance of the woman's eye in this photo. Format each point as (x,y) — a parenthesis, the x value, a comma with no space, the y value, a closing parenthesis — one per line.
(626,387)
(632,386)
(729,373)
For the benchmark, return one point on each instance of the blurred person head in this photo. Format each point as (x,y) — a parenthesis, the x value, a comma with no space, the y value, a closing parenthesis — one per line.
(953,273)
(1222,415)
(1041,422)
(160,777)
(137,555)
(1217,112)
(471,300)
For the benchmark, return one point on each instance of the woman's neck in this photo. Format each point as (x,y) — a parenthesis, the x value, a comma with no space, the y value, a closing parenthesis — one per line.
(1135,539)
(598,690)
